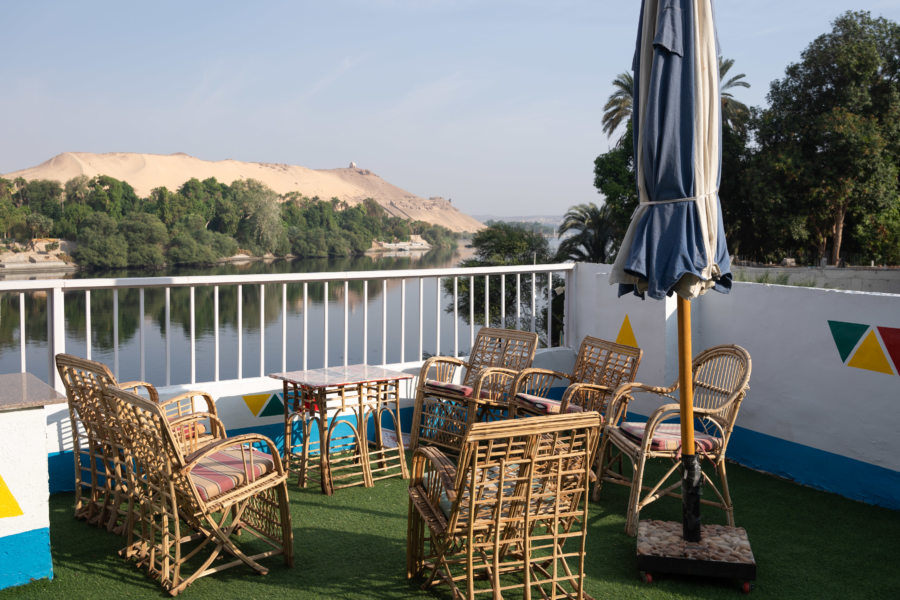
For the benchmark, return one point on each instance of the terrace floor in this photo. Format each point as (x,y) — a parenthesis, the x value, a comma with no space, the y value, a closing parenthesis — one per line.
(807,544)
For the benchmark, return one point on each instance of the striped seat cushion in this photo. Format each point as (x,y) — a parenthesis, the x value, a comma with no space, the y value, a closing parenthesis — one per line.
(227,469)
(547,406)
(668,437)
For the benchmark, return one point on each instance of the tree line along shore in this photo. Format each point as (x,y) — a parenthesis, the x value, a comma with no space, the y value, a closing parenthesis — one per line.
(202,222)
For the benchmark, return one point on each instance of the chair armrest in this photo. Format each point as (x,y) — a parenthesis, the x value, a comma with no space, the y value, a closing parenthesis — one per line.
(589,390)
(428,459)
(184,404)
(495,380)
(216,427)
(624,394)
(537,381)
(445,367)
(193,459)
(134,385)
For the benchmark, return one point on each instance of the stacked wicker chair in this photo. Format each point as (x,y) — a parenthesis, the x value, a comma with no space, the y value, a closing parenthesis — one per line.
(189,508)
(500,521)
(600,366)
(101,472)
(721,377)
(445,410)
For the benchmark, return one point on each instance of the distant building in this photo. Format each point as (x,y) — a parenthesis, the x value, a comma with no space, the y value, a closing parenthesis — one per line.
(352,165)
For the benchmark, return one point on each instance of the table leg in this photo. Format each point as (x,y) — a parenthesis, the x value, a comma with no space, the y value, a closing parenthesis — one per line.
(324,445)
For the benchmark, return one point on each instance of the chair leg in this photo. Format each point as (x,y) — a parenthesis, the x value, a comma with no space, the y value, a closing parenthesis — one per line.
(726,495)
(634,498)
(415,543)
(600,467)
(287,531)
(417,419)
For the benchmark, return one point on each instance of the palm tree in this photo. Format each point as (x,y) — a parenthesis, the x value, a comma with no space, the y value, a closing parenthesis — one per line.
(592,238)
(733,111)
(617,109)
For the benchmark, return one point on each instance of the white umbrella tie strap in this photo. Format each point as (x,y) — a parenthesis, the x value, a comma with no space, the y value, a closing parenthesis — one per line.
(691,199)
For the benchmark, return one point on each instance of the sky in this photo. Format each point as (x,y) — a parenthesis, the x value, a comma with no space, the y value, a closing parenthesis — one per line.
(494,104)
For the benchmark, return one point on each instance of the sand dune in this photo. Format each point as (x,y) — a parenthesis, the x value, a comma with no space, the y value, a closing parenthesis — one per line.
(147,171)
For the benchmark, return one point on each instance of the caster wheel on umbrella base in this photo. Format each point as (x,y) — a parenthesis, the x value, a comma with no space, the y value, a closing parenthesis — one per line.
(646,577)
(746,587)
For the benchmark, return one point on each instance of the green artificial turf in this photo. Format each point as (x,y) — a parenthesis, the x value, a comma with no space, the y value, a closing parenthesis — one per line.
(807,544)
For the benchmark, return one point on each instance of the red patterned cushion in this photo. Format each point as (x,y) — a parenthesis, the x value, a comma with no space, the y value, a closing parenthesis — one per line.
(545,406)
(456,389)
(668,437)
(227,469)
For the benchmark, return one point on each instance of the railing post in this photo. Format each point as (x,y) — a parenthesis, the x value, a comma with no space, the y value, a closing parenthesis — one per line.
(262,330)
(216,332)
(56,334)
(115,308)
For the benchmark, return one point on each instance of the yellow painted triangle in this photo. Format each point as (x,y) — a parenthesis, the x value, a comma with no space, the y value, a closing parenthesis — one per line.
(626,334)
(8,505)
(255,402)
(870,356)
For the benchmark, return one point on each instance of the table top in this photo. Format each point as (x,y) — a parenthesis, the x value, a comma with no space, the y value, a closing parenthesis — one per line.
(338,376)
(24,390)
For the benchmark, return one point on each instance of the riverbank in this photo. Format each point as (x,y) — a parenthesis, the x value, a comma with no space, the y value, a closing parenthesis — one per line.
(47,254)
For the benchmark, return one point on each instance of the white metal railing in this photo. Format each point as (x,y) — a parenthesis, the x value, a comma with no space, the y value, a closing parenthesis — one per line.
(56,290)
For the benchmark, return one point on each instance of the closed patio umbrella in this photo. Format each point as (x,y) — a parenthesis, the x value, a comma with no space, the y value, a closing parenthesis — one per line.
(676,241)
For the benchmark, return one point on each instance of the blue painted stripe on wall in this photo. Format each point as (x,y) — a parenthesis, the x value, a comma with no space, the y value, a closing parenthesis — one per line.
(816,468)
(25,556)
(809,466)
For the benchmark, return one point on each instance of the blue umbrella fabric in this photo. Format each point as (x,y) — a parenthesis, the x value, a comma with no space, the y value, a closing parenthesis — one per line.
(675,242)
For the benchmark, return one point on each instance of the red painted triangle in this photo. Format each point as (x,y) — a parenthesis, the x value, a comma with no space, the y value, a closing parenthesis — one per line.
(891,338)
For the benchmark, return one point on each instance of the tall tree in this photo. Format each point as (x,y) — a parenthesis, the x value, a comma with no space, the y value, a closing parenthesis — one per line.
(830,137)
(618,107)
(501,244)
(614,177)
(734,111)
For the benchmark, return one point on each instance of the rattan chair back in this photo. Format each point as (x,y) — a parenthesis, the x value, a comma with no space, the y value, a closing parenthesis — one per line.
(505,348)
(100,484)
(444,413)
(189,508)
(721,379)
(510,507)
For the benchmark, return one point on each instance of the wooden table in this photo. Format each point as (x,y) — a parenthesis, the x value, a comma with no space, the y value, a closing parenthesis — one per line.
(24,487)
(352,395)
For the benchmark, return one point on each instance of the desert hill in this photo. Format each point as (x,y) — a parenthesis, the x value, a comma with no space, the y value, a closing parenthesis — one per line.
(352,185)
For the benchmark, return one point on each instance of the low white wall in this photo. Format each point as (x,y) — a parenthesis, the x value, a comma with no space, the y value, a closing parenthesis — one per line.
(861,279)
(801,389)
(812,413)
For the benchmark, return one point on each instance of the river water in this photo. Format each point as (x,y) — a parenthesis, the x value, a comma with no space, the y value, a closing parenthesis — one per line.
(167,356)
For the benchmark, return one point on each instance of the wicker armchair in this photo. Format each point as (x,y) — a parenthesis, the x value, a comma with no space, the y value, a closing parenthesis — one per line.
(721,376)
(445,410)
(600,366)
(100,472)
(500,520)
(189,508)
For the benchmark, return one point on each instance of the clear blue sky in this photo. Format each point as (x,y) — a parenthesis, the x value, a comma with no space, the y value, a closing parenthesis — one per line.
(495,104)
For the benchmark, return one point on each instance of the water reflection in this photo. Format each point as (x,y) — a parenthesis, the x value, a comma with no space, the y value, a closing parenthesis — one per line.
(261,342)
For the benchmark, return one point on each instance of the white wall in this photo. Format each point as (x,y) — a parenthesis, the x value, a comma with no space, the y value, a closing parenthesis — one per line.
(800,388)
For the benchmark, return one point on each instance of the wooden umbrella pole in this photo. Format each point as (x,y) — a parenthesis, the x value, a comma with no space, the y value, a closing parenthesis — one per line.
(691,477)
(685,376)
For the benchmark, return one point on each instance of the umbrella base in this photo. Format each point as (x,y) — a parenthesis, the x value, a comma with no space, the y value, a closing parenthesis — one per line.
(722,551)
